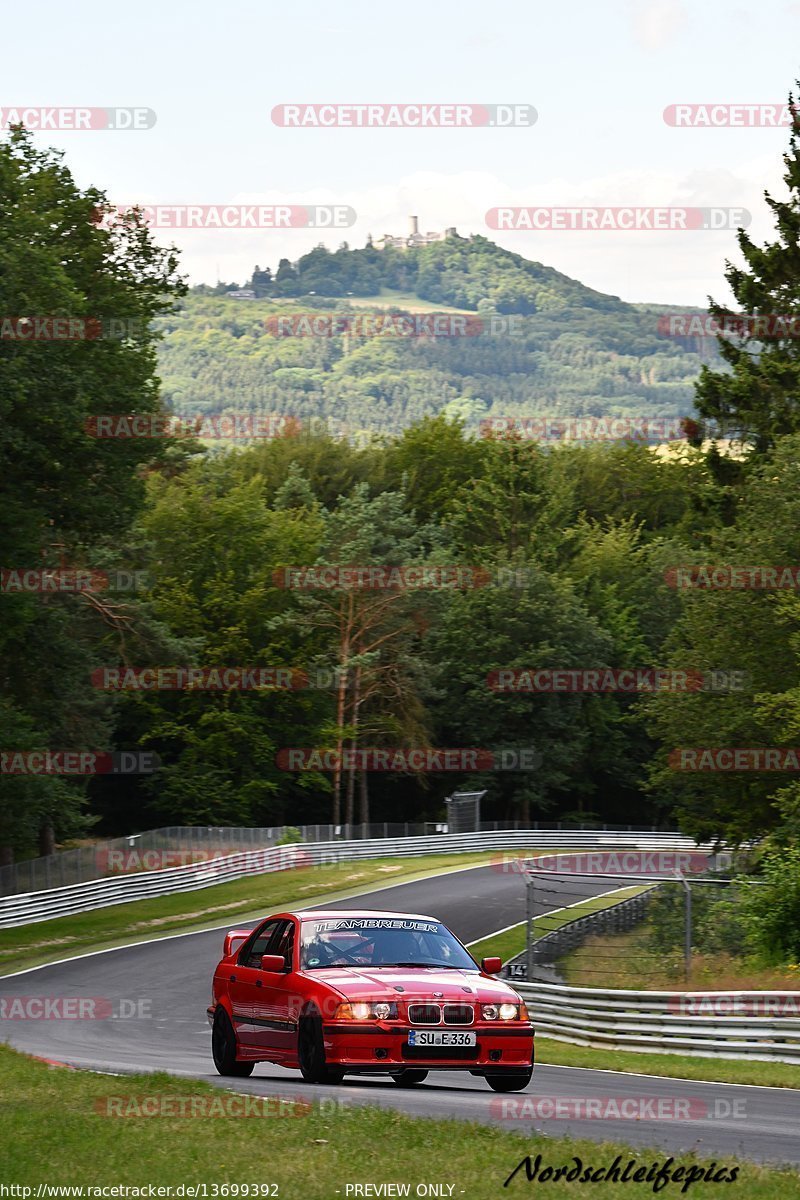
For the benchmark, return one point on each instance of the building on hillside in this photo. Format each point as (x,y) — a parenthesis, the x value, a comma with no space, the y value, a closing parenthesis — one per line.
(414,238)
(241,294)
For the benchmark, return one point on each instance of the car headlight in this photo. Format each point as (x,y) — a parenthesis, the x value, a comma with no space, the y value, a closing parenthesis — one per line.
(503,1012)
(380,1010)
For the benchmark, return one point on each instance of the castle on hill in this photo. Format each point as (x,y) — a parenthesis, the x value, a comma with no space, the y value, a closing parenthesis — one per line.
(414,238)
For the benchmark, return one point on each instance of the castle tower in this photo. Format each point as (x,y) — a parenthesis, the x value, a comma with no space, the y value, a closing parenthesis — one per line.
(414,223)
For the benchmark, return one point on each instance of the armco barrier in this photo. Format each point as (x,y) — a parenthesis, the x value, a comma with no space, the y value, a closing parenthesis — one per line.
(177,845)
(30,907)
(615,1019)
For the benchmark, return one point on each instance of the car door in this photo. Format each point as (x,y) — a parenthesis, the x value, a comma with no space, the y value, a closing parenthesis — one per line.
(276,1003)
(246,985)
(281,997)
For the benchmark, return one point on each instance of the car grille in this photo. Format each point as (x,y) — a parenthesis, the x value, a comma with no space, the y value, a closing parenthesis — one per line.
(424,1014)
(458,1014)
(465,1053)
(433,1014)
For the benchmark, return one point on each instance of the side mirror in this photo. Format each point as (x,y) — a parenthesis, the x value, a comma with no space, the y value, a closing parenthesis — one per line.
(492,965)
(233,940)
(273,963)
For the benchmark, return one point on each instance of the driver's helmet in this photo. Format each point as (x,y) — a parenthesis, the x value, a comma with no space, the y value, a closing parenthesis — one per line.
(315,954)
(395,945)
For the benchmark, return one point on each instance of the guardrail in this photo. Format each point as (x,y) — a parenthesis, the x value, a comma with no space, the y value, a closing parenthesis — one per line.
(754,1025)
(31,907)
(177,845)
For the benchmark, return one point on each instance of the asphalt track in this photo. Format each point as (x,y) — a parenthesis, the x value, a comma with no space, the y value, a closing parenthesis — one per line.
(167,985)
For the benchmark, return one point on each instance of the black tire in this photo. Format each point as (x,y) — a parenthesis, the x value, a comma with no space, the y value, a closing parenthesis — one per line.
(509,1083)
(223,1048)
(311,1051)
(409,1078)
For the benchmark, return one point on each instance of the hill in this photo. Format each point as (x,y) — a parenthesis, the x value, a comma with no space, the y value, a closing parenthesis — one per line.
(539,342)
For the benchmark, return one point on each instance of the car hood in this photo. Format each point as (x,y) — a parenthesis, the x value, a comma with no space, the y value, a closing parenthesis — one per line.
(392,983)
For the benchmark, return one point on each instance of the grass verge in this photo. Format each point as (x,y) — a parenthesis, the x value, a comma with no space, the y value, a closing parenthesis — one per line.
(680,1066)
(54,1129)
(238,900)
(512,941)
(623,960)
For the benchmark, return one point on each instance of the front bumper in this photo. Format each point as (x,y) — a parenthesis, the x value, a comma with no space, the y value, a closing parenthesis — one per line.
(378,1046)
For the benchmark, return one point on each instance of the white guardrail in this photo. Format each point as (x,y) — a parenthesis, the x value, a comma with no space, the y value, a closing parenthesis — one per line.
(26,908)
(734,1024)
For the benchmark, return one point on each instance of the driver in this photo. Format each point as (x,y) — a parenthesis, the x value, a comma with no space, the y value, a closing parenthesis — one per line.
(395,946)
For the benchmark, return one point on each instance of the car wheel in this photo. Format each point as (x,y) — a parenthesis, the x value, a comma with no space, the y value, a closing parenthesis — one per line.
(509,1083)
(409,1078)
(311,1051)
(223,1047)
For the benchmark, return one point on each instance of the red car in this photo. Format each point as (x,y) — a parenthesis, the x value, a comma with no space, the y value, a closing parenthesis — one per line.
(380,993)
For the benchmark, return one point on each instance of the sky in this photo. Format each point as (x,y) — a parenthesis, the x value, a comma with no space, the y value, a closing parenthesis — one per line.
(599,75)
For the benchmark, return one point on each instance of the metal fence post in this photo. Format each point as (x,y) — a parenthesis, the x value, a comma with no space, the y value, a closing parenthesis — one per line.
(687,928)
(529,926)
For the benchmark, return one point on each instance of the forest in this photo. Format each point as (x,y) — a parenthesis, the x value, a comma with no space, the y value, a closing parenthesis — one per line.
(554,558)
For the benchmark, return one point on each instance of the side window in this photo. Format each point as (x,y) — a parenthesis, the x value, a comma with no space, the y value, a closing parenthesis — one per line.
(251,952)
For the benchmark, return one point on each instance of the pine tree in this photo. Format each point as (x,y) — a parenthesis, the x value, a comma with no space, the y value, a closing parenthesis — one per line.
(759,400)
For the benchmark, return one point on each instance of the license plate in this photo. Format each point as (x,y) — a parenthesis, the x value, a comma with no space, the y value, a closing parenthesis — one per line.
(440,1037)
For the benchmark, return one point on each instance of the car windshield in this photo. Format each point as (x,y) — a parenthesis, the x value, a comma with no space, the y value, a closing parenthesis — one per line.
(380,942)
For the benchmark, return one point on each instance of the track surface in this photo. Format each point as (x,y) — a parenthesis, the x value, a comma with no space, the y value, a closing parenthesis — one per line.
(171,979)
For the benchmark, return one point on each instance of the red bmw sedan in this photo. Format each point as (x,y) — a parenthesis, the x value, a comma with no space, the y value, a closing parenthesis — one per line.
(340,993)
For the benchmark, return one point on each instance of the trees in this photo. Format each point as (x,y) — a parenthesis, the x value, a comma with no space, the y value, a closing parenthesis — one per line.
(757,400)
(65,496)
(371,634)
(750,631)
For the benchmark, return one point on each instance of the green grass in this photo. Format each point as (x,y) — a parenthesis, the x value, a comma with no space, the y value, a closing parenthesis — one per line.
(407,300)
(511,942)
(52,1132)
(680,1066)
(624,960)
(223,903)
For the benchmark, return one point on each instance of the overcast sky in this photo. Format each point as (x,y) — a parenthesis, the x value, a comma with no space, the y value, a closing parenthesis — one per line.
(599,75)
